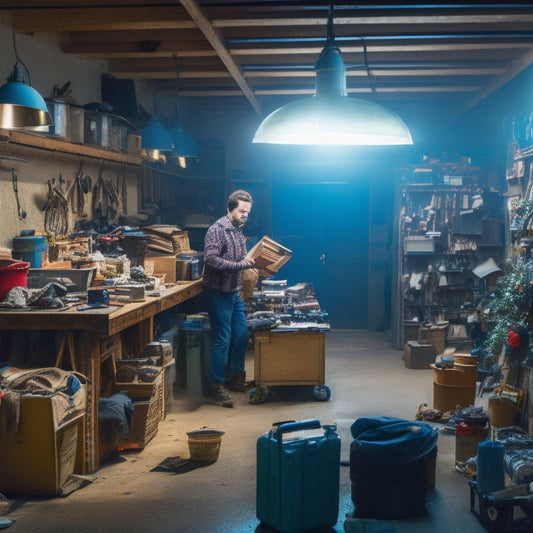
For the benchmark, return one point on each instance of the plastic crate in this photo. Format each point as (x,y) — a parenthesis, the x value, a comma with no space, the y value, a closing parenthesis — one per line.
(505,515)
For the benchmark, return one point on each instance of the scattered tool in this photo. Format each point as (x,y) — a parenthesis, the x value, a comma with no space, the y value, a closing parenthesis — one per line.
(21,213)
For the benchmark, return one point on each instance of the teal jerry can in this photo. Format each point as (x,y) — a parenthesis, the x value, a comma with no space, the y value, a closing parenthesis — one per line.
(298,465)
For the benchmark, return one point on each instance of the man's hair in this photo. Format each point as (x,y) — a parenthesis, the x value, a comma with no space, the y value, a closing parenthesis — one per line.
(236,196)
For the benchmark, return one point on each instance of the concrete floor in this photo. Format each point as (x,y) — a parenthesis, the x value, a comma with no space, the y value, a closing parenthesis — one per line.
(367,377)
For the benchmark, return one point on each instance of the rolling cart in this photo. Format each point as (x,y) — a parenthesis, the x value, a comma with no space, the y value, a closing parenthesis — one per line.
(289,357)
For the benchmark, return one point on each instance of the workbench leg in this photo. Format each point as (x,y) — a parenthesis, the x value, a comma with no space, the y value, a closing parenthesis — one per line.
(146,333)
(88,363)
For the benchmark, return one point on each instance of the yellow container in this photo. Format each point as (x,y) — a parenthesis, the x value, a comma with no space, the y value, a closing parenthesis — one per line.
(448,397)
(502,412)
(464,359)
(39,455)
(204,444)
(458,376)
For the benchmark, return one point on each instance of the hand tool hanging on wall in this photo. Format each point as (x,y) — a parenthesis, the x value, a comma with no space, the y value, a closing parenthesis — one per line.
(79,193)
(55,210)
(107,198)
(21,213)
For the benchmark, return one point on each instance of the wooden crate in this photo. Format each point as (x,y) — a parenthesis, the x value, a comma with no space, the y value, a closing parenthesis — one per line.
(418,356)
(289,357)
(269,256)
(169,378)
(147,413)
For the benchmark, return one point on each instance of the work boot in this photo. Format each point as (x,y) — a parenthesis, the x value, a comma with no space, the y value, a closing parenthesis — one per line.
(220,395)
(236,382)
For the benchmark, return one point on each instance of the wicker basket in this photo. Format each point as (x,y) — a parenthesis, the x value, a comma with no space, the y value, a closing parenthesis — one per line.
(204,445)
(147,413)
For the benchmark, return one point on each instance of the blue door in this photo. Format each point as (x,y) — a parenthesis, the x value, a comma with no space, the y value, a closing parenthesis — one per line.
(326,225)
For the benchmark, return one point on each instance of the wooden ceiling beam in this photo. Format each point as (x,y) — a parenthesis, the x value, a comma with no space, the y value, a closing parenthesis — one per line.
(215,40)
(396,20)
(513,70)
(49,20)
(392,46)
(381,72)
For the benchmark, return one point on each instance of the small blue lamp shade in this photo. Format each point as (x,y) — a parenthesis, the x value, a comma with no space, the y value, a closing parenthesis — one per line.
(155,136)
(184,145)
(21,106)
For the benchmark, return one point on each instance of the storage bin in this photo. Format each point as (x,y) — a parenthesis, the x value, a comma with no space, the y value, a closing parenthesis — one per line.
(68,120)
(97,129)
(189,265)
(448,397)
(119,134)
(60,113)
(502,412)
(74,279)
(148,411)
(297,484)
(30,249)
(39,457)
(12,274)
(459,375)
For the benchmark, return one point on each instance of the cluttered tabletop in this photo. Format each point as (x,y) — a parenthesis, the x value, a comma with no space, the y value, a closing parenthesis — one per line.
(105,313)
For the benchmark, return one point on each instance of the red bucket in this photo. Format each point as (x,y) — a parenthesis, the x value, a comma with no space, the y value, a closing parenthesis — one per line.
(12,274)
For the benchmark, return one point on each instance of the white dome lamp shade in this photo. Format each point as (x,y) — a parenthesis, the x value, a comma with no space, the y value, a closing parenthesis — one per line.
(330,117)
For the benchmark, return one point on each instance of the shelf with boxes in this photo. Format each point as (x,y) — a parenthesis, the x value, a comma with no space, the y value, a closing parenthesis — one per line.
(46,142)
(451,236)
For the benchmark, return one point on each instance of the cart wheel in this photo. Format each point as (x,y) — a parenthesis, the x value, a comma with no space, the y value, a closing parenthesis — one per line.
(322,393)
(258,395)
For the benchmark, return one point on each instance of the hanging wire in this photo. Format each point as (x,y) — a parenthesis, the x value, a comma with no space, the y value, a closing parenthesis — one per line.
(14,39)
(367,67)
(176,105)
(20,72)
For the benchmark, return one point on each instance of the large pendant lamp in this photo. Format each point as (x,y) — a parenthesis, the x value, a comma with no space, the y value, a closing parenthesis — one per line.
(21,106)
(330,117)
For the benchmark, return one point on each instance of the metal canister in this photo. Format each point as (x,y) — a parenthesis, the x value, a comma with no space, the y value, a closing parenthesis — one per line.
(469,432)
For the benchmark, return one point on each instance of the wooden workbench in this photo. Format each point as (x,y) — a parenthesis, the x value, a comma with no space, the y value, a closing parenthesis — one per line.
(93,331)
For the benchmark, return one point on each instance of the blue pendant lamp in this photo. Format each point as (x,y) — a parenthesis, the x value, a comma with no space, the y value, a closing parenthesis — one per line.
(21,106)
(155,136)
(184,145)
(331,117)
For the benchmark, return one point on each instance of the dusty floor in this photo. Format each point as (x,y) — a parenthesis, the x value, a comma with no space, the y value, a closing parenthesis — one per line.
(367,377)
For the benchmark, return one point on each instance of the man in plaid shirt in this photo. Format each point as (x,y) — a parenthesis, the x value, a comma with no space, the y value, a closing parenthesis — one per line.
(225,259)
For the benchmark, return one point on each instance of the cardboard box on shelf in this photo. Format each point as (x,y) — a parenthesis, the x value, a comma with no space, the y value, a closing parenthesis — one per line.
(161,264)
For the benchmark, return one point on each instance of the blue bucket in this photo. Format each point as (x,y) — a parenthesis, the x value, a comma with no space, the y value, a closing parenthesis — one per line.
(30,249)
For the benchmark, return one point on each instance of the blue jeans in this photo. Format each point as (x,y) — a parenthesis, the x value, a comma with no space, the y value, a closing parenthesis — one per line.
(229,334)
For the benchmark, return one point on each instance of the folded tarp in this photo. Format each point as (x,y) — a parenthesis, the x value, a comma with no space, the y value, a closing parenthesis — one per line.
(392,440)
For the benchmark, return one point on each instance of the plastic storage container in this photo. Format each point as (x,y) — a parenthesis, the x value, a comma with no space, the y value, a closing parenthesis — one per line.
(12,274)
(30,249)
(298,476)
